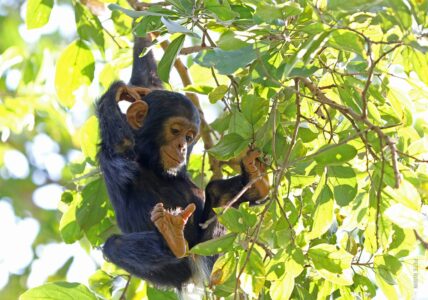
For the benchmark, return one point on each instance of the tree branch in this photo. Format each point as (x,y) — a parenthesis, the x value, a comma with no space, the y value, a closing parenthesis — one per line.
(320,97)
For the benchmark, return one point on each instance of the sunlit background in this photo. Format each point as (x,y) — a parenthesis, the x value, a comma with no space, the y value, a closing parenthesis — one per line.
(38,143)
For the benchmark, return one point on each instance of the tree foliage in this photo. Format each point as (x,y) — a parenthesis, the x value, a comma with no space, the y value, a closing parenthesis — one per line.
(333,92)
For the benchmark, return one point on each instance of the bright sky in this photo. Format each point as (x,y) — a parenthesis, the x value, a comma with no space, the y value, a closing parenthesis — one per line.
(19,234)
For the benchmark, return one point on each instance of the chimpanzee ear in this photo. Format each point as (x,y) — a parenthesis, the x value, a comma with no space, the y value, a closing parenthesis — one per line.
(136,113)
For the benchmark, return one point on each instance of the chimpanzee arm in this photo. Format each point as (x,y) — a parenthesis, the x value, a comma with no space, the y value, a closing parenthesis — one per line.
(116,154)
(144,70)
(220,192)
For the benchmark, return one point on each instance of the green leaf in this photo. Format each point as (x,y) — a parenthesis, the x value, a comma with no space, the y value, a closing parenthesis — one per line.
(174,27)
(350,6)
(147,24)
(89,26)
(267,13)
(229,42)
(221,9)
(335,155)
(235,220)
(330,261)
(254,108)
(101,283)
(231,145)
(68,227)
(185,6)
(282,288)
(405,217)
(92,208)
(348,41)
(226,62)
(406,194)
(324,213)
(224,268)
(59,291)
(140,13)
(168,58)
(89,138)
(38,13)
(75,67)
(218,93)
(343,180)
(157,294)
(420,64)
(215,246)
(306,52)
(200,89)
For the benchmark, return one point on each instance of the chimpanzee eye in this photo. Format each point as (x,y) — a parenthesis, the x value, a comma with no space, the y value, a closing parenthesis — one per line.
(189,138)
(175,131)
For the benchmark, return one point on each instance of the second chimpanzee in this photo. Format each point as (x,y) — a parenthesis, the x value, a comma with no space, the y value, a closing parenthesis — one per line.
(143,157)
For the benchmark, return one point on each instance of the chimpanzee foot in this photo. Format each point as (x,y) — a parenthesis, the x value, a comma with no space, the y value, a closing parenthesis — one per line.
(171,226)
(255,168)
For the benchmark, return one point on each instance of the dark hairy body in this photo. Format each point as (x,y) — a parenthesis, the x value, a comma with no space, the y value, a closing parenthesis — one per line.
(143,157)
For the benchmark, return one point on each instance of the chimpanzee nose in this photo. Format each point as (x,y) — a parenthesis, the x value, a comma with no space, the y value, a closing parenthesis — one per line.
(182,146)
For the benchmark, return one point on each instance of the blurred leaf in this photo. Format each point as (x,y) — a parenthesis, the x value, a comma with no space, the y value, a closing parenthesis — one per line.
(174,27)
(89,138)
(306,52)
(226,62)
(230,146)
(168,58)
(330,261)
(89,27)
(323,215)
(38,13)
(101,283)
(343,180)
(59,291)
(157,294)
(92,207)
(221,9)
(229,42)
(348,41)
(68,226)
(140,13)
(215,246)
(75,67)
(405,217)
(335,155)
(218,93)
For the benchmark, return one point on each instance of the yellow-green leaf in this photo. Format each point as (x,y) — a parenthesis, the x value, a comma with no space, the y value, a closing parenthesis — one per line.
(75,68)
(38,13)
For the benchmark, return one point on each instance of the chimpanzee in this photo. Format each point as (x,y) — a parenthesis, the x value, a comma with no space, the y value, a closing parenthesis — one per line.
(143,157)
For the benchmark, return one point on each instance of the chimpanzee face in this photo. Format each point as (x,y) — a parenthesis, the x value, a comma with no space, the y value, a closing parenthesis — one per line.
(178,134)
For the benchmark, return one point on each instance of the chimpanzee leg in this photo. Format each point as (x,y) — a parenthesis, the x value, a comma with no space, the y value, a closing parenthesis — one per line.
(146,255)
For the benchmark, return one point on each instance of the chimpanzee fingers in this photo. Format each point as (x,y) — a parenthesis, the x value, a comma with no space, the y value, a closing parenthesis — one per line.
(188,211)
(141,90)
(157,212)
(128,94)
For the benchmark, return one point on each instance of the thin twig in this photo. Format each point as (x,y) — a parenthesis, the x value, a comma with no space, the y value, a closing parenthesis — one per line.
(320,97)
(122,296)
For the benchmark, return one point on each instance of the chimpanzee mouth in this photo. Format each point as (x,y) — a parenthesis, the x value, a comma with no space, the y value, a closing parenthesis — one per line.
(173,158)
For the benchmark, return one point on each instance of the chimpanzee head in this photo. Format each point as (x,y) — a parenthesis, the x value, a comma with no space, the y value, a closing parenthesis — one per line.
(166,126)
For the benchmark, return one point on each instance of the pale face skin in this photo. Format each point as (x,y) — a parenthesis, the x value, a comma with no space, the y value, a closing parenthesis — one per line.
(178,134)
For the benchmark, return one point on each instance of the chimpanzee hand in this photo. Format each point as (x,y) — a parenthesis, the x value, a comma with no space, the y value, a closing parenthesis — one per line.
(171,226)
(131,93)
(255,168)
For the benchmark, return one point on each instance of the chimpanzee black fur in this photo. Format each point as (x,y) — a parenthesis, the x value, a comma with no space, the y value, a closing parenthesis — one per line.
(136,182)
